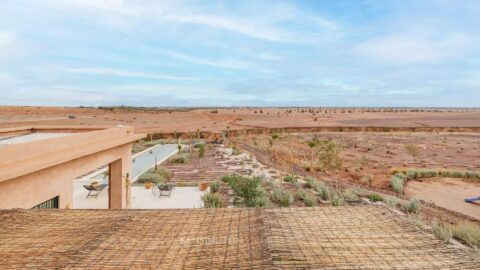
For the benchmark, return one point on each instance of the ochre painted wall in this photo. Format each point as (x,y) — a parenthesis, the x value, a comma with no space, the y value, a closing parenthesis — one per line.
(32,189)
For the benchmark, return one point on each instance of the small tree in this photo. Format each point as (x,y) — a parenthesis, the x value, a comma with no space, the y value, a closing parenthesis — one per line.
(190,142)
(179,147)
(412,150)
(312,144)
(365,162)
(329,156)
(201,154)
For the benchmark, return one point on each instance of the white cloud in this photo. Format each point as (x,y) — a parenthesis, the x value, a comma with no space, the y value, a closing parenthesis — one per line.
(106,6)
(8,44)
(224,63)
(409,49)
(125,73)
(268,21)
(236,25)
(7,39)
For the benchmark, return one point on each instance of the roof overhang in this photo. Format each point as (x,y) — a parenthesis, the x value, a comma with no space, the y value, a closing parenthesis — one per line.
(24,158)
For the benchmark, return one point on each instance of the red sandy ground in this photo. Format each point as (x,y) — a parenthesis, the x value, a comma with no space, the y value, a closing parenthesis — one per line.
(443,150)
(448,193)
(204,120)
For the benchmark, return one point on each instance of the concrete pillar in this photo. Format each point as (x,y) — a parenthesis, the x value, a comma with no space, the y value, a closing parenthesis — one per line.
(119,186)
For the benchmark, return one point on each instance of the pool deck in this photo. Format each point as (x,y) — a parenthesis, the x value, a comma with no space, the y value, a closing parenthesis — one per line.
(142,198)
(141,162)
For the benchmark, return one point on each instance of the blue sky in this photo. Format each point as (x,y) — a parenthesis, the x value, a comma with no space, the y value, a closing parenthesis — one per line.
(240,53)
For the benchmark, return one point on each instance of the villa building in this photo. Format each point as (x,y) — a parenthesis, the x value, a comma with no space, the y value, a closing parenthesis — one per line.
(38,164)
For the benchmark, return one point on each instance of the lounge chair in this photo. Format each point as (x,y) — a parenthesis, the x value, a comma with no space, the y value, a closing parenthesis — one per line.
(94,191)
(472,200)
(165,188)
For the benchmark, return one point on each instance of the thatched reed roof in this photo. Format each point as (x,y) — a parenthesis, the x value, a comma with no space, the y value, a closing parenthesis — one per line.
(360,237)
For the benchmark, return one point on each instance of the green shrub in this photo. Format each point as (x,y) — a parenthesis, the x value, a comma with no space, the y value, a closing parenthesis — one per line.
(441,231)
(215,187)
(323,191)
(311,183)
(282,197)
(392,201)
(212,200)
(153,142)
(159,176)
(467,232)
(310,200)
(236,152)
(457,174)
(248,191)
(180,158)
(401,176)
(472,175)
(413,206)
(350,196)
(375,197)
(301,194)
(291,178)
(397,183)
(136,148)
(148,177)
(337,200)
(416,173)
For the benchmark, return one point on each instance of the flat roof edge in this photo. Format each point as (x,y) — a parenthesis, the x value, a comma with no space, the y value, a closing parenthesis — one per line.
(41,154)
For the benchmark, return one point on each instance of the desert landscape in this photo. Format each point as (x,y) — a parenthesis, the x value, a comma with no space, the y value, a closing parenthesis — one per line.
(274,143)
(151,120)
(239,134)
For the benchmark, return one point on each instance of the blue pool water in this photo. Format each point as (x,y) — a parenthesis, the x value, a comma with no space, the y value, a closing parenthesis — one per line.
(146,160)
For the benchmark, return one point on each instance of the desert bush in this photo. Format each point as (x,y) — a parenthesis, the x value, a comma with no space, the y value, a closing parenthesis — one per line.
(468,233)
(180,158)
(148,177)
(397,183)
(212,200)
(323,191)
(368,179)
(337,200)
(417,220)
(311,183)
(472,175)
(441,231)
(413,206)
(136,148)
(248,191)
(412,150)
(375,197)
(301,194)
(350,195)
(215,187)
(282,197)
(153,142)
(427,173)
(411,174)
(310,200)
(159,176)
(291,178)
(416,173)
(329,155)
(393,201)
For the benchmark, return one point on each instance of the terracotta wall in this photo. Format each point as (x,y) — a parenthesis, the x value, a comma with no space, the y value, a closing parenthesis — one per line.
(32,189)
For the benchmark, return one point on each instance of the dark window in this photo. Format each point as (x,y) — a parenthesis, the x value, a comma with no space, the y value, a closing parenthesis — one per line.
(52,203)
